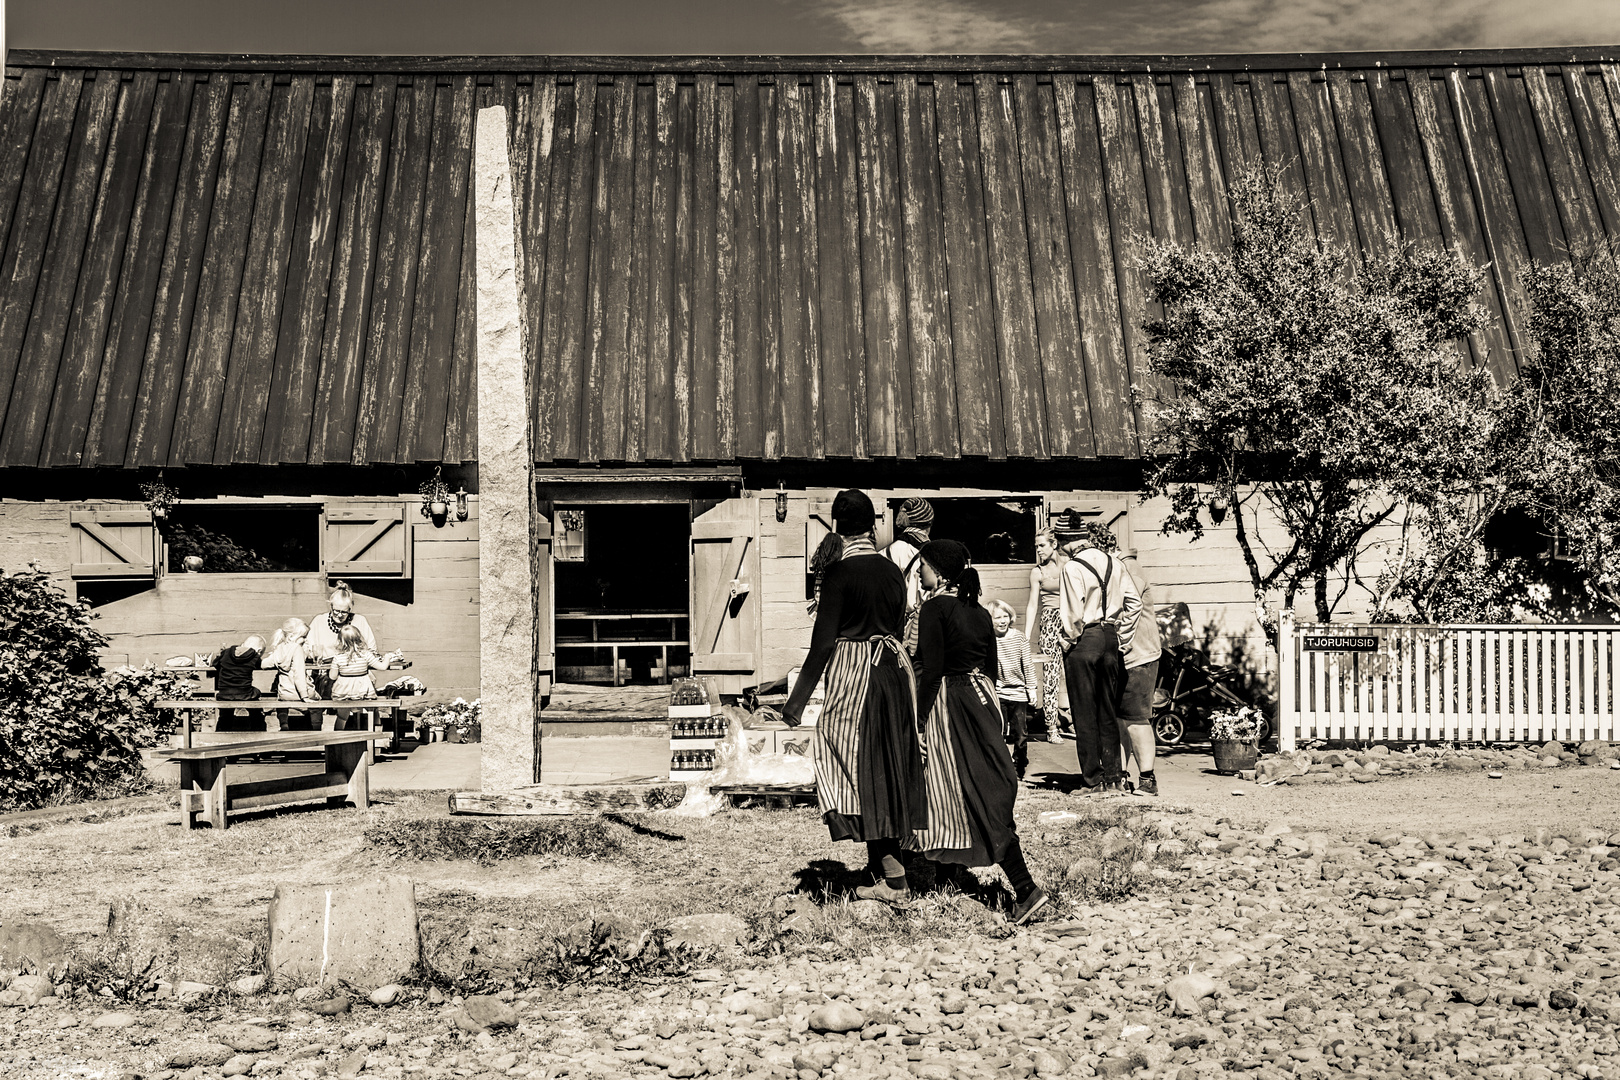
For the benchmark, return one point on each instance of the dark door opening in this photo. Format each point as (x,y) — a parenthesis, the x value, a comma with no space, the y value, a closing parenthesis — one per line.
(620,573)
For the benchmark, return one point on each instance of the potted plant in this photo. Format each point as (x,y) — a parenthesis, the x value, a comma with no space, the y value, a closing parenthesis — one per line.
(469,724)
(1234,735)
(457,721)
(160,497)
(435,497)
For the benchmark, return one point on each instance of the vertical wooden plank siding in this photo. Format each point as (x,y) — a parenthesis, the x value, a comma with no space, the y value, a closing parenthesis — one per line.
(748,352)
(841,356)
(642,270)
(264,278)
(220,286)
(768,294)
(537,104)
(1162,164)
(967,272)
(854,284)
(461,410)
(1560,152)
(41,361)
(151,432)
(1600,145)
(19,117)
(1021,391)
(353,263)
(288,419)
(685,273)
(411,149)
(1501,227)
(1057,320)
(706,406)
(658,421)
(933,382)
(84,352)
(799,280)
(1521,150)
(1091,248)
(1455,208)
(1206,184)
(1235,131)
(556,412)
(1318,134)
(884,302)
(434,315)
(1128,223)
(31,226)
(124,354)
(1370,200)
(1395,125)
(725,271)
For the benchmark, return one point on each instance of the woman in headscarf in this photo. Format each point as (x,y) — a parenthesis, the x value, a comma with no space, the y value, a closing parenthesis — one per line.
(869,775)
(971,779)
(913,524)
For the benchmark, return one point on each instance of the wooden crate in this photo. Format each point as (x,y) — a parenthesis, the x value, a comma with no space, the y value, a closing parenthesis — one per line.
(768,796)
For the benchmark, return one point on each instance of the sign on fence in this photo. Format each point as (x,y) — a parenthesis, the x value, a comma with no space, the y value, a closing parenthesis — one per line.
(1515,683)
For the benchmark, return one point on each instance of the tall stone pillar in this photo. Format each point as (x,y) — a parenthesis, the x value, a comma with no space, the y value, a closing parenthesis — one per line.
(508,684)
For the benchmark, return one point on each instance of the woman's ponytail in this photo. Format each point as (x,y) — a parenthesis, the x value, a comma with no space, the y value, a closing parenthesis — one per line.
(967,586)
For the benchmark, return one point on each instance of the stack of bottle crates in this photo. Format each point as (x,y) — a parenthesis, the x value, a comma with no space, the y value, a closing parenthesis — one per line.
(696,728)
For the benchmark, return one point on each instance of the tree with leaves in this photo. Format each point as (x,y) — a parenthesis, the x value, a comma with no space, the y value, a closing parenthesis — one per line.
(1318,395)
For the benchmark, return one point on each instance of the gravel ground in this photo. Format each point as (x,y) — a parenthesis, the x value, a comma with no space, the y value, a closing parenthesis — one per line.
(1435,937)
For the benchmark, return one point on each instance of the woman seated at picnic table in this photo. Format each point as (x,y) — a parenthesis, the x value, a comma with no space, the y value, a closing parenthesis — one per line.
(325,630)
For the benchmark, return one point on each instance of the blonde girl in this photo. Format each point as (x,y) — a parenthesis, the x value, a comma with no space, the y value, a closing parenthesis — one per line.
(353,665)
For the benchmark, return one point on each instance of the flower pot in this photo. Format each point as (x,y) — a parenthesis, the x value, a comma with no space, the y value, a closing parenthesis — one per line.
(1232,756)
(452,735)
(432,735)
(474,733)
(438,509)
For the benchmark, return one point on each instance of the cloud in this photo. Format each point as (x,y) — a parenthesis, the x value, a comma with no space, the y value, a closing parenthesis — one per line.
(939,26)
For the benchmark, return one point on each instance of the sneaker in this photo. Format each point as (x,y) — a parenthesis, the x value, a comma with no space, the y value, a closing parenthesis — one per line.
(1053,737)
(1149,785)
(883,892)
(1023,912)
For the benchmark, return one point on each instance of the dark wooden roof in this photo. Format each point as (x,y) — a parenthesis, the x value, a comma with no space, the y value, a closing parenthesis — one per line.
(225,260)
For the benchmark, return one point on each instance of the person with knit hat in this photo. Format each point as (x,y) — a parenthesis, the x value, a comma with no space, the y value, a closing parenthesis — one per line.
(913,526)
(866,754)
(972,782)
(1099,609)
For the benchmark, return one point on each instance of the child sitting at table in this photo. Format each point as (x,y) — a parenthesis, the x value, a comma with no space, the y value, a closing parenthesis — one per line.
(286,658)
(352,667)
(234,668)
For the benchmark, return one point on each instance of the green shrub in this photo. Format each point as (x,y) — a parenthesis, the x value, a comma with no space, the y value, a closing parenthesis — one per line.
(68,729)
(493,841)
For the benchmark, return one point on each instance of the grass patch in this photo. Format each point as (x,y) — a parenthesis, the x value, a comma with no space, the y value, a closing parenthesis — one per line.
(488,842)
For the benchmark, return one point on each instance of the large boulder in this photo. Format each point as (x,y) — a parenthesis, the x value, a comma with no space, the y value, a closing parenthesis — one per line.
(712,931)
(364,933)
(32,948)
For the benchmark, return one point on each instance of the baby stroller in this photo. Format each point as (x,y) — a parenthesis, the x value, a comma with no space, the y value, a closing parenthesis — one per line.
(1189,690)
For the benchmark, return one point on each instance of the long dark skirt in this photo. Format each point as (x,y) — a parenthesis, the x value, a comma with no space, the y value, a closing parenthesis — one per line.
(869,775)
(971,780)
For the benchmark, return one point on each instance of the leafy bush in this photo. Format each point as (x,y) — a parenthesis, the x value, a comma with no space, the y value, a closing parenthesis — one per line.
(491,841)
(68,729)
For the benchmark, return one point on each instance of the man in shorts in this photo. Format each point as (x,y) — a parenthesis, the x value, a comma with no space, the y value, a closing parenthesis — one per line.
(1141,677)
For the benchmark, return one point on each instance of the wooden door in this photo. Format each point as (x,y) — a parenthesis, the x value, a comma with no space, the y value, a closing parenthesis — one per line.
(113,544)
(545,594)
(725,591)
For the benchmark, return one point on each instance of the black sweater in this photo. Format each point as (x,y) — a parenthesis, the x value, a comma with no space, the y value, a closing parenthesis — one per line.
(233,675)
(953,638)
(863,596)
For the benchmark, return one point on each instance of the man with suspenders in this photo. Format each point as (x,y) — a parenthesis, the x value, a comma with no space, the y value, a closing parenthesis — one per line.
(1099,608)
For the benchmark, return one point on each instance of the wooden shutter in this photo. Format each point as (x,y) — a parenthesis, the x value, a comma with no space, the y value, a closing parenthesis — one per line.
(113,544)
(817,525)
(364,539)
(545,652)
(725,609)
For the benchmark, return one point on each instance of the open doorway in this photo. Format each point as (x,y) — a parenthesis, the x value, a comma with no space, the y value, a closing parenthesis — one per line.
(621,593)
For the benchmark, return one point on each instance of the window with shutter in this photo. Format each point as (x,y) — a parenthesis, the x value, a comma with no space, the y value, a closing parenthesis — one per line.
(114,544)
(366,539)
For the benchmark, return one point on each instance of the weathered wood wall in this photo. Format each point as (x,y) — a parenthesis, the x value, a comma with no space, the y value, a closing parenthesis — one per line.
(205,261)
(433,618)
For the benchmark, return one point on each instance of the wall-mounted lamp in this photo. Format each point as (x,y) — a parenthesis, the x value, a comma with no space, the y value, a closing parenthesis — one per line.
(461,504)
(1217,508)
(781,501)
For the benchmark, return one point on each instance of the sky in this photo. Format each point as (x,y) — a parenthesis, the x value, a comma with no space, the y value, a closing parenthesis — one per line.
(807,26)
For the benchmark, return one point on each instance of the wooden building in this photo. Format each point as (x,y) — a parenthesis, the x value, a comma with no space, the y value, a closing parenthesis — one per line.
(734,277)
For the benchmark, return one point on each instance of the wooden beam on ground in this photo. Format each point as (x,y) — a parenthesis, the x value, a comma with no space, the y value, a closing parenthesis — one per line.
(509,685)
(556,799)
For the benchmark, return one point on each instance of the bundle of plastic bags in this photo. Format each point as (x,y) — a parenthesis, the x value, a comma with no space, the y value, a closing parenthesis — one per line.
(743,757)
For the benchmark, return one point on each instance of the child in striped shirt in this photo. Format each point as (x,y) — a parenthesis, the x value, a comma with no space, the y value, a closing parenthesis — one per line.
(1015,675)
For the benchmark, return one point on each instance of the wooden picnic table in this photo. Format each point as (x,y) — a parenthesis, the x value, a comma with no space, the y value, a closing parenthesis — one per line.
(207,790)
(373,709)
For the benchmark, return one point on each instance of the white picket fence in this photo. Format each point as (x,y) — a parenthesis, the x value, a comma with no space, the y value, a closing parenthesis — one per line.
(1516,683)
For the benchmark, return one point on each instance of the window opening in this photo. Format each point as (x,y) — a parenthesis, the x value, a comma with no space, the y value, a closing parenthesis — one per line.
(996,531)
(236,539)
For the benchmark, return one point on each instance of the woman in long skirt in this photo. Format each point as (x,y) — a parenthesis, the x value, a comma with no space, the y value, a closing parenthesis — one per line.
(970,774)
(1045,582)
(868,762)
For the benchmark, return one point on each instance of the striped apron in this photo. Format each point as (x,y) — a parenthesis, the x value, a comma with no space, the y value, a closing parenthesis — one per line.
(835,753)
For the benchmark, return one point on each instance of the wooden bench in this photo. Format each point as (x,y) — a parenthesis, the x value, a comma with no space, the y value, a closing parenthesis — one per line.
(614,644)
(206,789)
